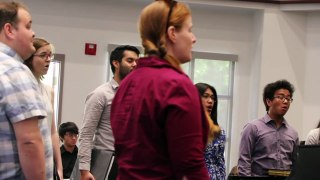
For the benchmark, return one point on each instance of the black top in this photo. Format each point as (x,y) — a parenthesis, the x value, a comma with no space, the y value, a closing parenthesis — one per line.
(68,161)
(307,164)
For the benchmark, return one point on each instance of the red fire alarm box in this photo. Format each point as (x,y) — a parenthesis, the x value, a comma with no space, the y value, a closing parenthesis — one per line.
(90,49)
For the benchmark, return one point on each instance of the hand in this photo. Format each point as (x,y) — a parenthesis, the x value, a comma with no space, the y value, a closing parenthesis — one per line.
(60,174)
(86,175)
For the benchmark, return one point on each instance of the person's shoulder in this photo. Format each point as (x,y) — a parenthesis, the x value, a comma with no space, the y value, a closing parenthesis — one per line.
(183,84)
(313,132)
(313,137)
(62,149)
(47,87)
(103,86)
(102,89)
(291,129)
(254,125)
(176,76)
(256,122)
(101,93)
(9,65)
(168,76)
(14,72)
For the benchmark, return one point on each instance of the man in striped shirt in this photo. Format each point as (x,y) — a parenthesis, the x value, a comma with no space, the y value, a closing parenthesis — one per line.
(26,150)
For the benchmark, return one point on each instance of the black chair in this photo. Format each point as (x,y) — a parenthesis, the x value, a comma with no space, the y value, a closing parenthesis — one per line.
(307,164)
(256,177)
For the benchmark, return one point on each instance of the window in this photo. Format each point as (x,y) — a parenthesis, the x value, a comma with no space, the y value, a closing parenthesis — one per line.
(54,78)
(218,71)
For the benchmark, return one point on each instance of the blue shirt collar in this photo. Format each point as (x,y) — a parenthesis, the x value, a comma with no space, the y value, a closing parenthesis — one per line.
(10,52)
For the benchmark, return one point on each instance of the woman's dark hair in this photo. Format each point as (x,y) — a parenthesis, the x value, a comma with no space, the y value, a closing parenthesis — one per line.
(202,87)
(271,88)
(68,127)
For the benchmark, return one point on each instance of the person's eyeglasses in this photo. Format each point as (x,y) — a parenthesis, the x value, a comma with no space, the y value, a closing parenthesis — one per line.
(172,3)
(282,98)
(72,135)
(45,56)
(207,96)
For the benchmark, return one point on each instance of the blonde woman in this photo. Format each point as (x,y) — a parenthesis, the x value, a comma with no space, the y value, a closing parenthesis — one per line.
(39,64)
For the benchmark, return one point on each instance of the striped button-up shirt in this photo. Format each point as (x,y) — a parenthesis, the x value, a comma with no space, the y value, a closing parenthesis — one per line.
(264,147)
(20,99)
(96,131)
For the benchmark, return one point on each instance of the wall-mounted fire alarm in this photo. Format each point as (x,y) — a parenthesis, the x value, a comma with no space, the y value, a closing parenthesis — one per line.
(90,49)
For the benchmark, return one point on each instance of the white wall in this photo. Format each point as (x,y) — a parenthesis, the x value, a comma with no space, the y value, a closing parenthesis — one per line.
(311,103)
(69,25)
(283,55)
(271,45)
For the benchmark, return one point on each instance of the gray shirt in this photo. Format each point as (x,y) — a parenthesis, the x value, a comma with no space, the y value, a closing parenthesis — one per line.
(96,131)
(264,147)
(313,137)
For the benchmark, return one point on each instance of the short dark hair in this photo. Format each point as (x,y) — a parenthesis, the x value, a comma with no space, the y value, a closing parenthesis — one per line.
(271,88)
(117,54)
(202,87)
(9,13)
(68,127)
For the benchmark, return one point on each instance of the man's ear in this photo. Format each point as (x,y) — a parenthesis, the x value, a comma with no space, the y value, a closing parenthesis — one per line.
(9,30)
(172,34)
(269,102)
(116,64)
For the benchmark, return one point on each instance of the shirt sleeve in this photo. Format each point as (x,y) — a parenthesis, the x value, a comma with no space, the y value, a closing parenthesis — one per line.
(246,149)
(185,128)
(313,137)
(94,107)
(22,96)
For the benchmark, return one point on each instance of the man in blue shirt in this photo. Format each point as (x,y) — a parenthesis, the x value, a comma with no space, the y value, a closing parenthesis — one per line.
(26,149)
(269,142)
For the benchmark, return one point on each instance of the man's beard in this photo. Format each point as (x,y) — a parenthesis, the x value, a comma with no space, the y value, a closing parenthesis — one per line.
(123,72)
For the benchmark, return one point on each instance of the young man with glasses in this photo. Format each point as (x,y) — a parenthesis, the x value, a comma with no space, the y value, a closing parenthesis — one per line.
(68,133)
(269,142)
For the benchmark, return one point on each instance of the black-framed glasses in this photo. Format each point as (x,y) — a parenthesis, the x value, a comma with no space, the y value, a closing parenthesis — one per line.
(45,56)
(172,3)
(72,135)
(282,98)
(207,96)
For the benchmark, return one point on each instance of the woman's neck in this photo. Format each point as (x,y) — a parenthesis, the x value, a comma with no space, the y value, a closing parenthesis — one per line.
(37,76)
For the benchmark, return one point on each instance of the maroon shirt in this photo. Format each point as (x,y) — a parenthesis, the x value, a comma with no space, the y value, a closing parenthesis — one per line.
(158,123)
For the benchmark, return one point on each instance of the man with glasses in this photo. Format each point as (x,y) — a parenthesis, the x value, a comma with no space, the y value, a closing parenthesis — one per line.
(26,149)
(269,142)
(68,133)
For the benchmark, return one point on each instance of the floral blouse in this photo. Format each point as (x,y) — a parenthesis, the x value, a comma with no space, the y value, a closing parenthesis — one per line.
(214,157)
